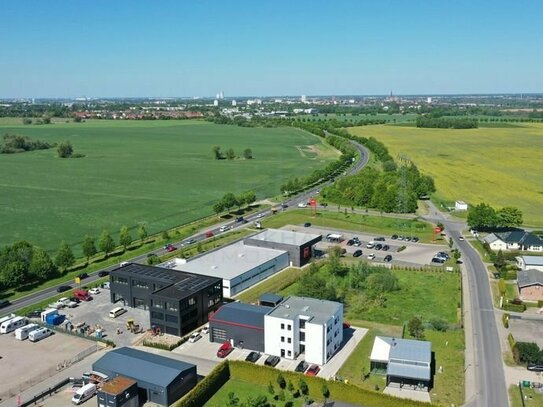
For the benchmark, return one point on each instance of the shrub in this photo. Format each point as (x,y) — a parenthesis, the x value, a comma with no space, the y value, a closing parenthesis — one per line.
(501,286)
(401,248)
(526,352)
(207,387)
(505,320)
(439,324)
(511,341)
(540,303)
(514,307)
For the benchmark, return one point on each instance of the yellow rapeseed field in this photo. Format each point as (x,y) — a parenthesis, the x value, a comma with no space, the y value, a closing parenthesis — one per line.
(500,166)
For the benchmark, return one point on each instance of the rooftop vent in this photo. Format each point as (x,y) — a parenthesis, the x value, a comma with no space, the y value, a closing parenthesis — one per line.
(214,267)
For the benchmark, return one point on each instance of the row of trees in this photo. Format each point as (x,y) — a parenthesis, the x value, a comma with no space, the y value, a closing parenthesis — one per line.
(229,201)
(484,216)
(230,154)
(22,263)
(446,122)
(14,143)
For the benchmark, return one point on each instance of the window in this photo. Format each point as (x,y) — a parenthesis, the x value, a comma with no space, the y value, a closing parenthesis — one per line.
(120,280)
(289,327)
(157,315)
(172,318)
(282,326)
(282,339)
(157,304)
(192,301)
(302,336)
(289,353)
(302,323)
(170,306)
(289,340)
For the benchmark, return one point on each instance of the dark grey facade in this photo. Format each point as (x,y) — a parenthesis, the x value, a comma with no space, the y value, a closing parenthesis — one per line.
(178,302)
(299,254)
(119,392)
(241,324)
(159,379)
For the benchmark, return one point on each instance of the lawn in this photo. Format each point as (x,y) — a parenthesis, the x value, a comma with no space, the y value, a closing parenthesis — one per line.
(533,397)
(160,173)
(386,225)
(243,390)
(500,166)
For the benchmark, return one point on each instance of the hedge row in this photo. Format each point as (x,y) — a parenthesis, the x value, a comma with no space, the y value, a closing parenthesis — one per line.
(348,393)
(207,387)
(511,341)
(505,320)
(514,307)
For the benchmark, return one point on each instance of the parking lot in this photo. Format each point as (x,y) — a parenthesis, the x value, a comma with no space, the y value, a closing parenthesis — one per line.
(527,330)
(26,363)
(95,314)
(414,254)
(205,350)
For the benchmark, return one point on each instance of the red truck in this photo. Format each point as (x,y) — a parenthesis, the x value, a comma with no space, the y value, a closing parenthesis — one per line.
(82,295)
(225,349)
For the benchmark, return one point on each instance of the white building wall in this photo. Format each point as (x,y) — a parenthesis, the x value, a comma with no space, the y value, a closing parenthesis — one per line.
(273,334)
(498,245)
(315,342)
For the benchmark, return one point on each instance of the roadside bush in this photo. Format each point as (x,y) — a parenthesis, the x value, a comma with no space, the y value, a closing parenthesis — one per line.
(438,324)
(207,387)
(514,307)
(527,352)
(511,341)
(501,286)
(505,320)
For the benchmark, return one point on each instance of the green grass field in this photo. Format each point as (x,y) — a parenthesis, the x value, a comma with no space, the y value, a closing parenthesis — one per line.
(500,166)
(160,173)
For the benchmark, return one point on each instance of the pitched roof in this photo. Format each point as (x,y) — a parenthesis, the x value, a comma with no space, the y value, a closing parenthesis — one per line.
(526,278)
(532,260)
(237,313)
(491,238)
(141,366)
(521,237)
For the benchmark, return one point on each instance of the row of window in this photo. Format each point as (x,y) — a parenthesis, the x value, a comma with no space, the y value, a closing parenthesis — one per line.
(245,279)
(168,318)
(119,280)
(289,327)
(289,340)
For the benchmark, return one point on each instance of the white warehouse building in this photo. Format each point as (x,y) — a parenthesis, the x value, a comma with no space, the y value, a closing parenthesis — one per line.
(304,325)
(239,265)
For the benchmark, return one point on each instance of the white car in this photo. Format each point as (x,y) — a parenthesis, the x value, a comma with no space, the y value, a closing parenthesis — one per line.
(461,238)
(94,291)
(223,228)
(371,256)
(205,329)
(260,215)
(302,205)
(194,337)
(67,302)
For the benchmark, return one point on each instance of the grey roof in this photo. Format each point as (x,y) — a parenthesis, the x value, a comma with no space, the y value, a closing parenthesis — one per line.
(318,311)
(521,237)
(491,238)
(241,314)
(409,371)
(188,285)
(533,260)
(286,237)
(269,297)
(230,261)
(527,278)
(158,274)
(409,358)
(141,366)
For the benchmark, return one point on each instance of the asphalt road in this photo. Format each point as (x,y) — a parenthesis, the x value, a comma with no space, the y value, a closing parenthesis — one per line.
(489,373)
(288,204)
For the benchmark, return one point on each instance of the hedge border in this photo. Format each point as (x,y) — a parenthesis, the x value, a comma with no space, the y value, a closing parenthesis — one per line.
(207,387)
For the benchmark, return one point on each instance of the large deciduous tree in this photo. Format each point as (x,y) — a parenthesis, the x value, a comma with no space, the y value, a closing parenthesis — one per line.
(415,327)
(89,247)
(509,216)
(65,257)
(482,216)
(41,266)
(106,243)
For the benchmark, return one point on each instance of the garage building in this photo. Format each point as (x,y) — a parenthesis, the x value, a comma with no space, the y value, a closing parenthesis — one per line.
(240,324)
(160,380)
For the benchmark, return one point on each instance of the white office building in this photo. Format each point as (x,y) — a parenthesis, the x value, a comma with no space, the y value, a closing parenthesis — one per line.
(304,325)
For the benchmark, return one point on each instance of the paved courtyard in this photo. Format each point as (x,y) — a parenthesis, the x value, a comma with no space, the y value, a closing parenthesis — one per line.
(527,330)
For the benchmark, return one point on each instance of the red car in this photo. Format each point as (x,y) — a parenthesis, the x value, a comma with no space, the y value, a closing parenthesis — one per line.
(171,248)
(225,349)
(346,325)
(209,234)
(312,371)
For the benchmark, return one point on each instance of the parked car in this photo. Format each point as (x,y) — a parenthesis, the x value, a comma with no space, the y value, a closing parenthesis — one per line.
(379,239)
(378,246)
(407,238)
(371,256)
(284,205)
(253,357)
(190,241)
(357,242)
(67,302)
(461,238)
(438,260)
(240,219)
(302,205)
(205,329)
(104,273)
(357,253)
(301,367)
(400,237)
(94,290)
(350,242)
(535,368)
(445,255)
(394,237)
(195,337)
(313,370)
(307,224)
(386,247)
(82,275)
(223,228)
(63,288)
(171,248)
(388,258)
(225,349)
(415,239)
(370,245)
(272,361)
(4,303)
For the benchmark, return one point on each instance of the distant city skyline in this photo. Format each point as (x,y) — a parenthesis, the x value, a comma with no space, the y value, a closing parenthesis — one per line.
(245,48)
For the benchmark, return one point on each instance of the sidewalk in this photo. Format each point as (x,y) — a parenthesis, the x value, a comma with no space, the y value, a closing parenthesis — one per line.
(470,362)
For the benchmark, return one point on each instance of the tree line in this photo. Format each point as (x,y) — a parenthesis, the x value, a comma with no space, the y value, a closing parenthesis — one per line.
(446,123)
(14,143)
(483,216)
(230,154)
(23,263)
(229,201)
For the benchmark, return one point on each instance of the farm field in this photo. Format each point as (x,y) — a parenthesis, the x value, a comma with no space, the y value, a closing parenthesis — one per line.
(160,173)
(500,166)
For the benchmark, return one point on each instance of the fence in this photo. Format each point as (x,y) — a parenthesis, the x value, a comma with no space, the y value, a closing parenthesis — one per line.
(46,393)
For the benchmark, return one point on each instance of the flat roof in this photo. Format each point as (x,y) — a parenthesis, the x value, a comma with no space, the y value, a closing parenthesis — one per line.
(285,236)
(117,385)
(156,273)
(187,285)
(142,366)
(230,261)
(269,297)
(318,311)
(244,315)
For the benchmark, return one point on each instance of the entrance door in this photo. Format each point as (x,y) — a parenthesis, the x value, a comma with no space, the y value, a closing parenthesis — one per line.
(282,353)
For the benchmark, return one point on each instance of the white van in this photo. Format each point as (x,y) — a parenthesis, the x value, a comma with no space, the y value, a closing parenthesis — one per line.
(84,393)
(22,333)
(38,334)
(12,324)
(115,312)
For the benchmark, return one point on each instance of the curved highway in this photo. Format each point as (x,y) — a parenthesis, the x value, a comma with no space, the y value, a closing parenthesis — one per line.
(292,202)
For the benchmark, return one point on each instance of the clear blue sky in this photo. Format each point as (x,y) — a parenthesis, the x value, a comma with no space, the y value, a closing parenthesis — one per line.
(196,48)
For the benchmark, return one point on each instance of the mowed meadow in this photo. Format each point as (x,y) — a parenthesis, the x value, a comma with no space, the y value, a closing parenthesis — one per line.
(500,166)
(159,173)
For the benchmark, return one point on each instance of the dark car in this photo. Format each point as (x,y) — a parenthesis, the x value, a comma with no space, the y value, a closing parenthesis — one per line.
(74,299)
(346,325)
(386,247)
(253,357)
(415,239)
(272,360)
(438,260)
(301,367)
(388,258)
(357,253)
(535,368)
(82,275)
(34,314)
(4,303)
(378,246)
(407,238)
(284,205)
(394,237)
(379,239)
(103,273)
(240,219)
(63,288)
(350,242)
(307,224)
